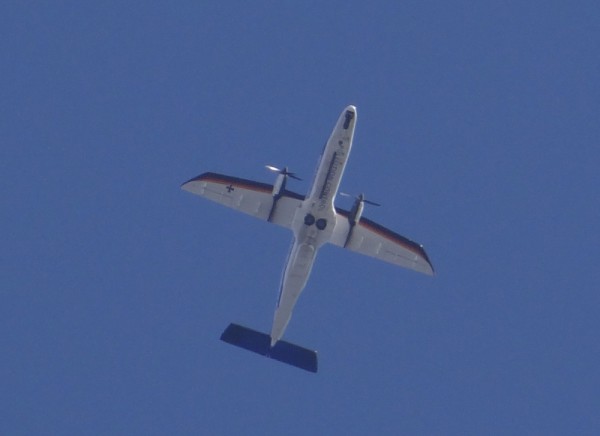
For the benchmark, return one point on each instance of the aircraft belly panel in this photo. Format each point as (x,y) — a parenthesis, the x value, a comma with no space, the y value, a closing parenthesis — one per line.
(333,160)
(296,274)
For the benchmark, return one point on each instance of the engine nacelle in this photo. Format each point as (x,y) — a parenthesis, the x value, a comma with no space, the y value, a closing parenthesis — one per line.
(281,180)
(279,185)
(356,211)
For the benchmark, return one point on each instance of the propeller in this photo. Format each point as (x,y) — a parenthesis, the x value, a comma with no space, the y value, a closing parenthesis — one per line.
(361,198)
(283,171)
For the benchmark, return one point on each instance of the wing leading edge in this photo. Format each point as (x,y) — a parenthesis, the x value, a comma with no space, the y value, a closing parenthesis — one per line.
(372,239)
(250,197)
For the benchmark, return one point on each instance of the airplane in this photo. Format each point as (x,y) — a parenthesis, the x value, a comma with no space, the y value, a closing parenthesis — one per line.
(314,221)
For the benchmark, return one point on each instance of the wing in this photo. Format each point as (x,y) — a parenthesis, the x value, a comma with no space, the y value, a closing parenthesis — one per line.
(372,239)
(247,196)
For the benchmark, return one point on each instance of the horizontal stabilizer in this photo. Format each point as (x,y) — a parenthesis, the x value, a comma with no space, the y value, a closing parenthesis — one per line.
(261,343)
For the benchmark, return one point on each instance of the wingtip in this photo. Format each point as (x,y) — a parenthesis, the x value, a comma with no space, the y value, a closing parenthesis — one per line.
(431,270)
(187,184)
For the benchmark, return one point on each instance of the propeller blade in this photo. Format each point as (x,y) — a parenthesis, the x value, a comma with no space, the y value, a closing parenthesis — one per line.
(360,198)
(284,171)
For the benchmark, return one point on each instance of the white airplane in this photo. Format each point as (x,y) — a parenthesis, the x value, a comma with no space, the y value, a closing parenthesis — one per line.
(315,221)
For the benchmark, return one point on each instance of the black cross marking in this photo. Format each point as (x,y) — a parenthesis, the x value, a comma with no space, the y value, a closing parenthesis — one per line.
(230,188)
(349,115)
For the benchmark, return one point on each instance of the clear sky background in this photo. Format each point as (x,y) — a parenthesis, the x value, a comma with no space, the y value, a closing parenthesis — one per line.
(478,131)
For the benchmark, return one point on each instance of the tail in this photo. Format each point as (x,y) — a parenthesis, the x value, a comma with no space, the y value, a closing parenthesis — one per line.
(261,343)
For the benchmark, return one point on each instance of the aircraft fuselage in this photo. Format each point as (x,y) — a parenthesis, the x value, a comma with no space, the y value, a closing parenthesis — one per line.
(315,220)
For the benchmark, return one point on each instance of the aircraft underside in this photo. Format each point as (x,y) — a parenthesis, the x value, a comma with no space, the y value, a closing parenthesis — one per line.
(314,221)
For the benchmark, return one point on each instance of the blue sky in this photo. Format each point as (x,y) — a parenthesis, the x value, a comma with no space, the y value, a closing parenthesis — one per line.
(477,130)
